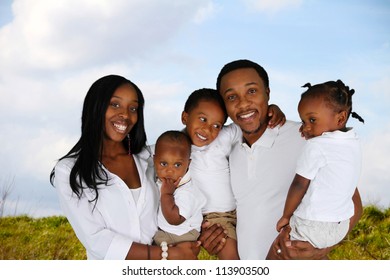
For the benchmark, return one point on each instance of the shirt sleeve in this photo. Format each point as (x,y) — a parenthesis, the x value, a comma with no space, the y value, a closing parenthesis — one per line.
(233,132)
(87,221)
(310,161)
(186,202)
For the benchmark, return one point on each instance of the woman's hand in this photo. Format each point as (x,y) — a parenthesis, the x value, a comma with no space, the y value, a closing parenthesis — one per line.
(285,249)
(276,116)
(213,238)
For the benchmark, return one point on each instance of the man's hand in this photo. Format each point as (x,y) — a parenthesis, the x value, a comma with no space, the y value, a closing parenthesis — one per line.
(285,249)
(213,237)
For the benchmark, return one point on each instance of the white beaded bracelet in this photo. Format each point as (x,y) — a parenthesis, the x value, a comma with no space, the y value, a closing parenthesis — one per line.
(164,248)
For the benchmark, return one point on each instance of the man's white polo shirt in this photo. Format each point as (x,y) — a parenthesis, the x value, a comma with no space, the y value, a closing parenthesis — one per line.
(261,176)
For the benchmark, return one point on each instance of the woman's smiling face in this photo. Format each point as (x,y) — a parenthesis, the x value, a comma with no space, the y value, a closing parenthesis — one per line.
(121,114)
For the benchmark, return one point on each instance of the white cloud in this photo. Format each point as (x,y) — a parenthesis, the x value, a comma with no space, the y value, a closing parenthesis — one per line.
(66,34)
(164,104)
(32,152)
(272,6)
(381,87)
(41,152)
(37,208)
(204,13)
(375,180)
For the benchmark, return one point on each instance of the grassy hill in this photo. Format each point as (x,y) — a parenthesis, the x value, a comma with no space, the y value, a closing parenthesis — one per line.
(25,238)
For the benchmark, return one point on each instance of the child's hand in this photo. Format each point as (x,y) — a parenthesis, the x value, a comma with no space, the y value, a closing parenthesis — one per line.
(276,116)
(169,185)
(282,223)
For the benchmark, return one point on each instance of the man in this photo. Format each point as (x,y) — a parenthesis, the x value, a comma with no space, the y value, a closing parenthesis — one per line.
(262,166)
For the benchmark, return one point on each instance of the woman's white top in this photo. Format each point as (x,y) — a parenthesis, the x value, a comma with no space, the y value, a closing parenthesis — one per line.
(108,229)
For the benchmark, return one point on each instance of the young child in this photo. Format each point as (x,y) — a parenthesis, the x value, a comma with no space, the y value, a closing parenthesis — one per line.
(181,202)
(204,117)
(319,202)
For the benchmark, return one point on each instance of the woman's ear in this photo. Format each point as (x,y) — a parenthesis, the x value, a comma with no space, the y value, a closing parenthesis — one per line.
(184,117)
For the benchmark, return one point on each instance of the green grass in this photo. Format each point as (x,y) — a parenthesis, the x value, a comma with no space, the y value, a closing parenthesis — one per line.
(369,239)
(51,238)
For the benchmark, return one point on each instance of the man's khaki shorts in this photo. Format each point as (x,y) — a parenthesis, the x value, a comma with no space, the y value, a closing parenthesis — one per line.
(228,220)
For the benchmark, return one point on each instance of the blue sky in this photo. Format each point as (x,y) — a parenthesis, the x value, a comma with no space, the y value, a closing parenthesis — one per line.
(52,51)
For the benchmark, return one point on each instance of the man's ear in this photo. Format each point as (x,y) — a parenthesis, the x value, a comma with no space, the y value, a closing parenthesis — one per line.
(268,91)
(342,118)
(184,117)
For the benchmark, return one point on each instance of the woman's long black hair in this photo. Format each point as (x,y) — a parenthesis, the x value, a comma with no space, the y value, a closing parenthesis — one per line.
(88,149)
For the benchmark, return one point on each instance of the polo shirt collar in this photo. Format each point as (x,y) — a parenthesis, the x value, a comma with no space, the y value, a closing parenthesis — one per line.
(337,134)
(267,139)
(186,178)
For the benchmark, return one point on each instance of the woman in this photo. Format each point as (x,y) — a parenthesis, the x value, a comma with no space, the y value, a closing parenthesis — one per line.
(105,182)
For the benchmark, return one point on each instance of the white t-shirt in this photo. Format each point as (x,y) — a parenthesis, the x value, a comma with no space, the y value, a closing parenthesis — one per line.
(108,230)
(332,162)
(210,170)
(261,176)
(190,200)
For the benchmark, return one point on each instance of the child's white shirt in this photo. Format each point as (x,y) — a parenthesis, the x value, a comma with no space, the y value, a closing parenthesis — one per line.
(190,200)
(332,162)
(210,170)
